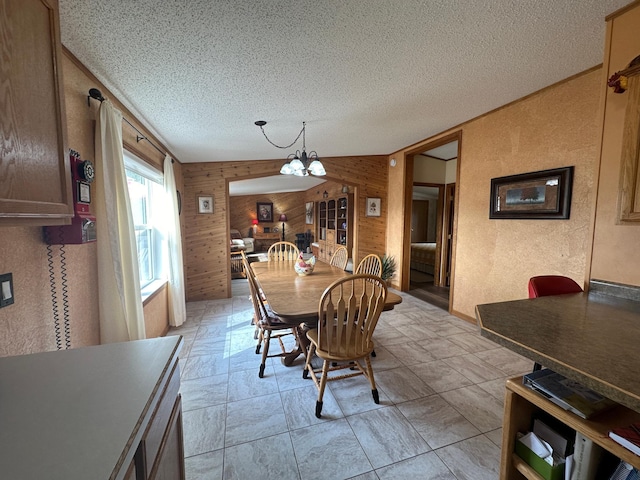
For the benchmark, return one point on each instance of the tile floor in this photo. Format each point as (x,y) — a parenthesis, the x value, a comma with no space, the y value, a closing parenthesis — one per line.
(439,417)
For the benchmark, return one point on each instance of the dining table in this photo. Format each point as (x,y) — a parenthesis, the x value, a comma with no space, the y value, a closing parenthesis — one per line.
(296,297)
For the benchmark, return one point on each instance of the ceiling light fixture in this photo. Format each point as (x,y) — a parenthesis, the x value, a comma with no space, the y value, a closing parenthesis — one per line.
(299,163)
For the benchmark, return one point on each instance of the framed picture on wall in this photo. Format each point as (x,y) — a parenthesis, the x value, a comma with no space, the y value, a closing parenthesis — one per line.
(205,204)
(373,207)
(543,195)
(308,217)
(265,212)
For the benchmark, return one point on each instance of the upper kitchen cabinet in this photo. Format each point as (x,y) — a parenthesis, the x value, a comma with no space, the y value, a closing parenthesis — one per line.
(35,177)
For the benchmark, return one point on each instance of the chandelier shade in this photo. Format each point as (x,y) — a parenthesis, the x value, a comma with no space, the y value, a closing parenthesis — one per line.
(299,163)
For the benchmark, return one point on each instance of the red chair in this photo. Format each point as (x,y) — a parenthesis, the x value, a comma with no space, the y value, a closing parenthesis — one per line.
(545,285)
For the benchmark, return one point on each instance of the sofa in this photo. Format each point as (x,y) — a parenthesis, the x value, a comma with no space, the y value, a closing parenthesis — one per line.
(240,243)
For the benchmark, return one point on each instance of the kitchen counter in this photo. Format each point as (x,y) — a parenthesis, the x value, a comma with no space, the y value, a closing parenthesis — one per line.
(82,413)
(592,338)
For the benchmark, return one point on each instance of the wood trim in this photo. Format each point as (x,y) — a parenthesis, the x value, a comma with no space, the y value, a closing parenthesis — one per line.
(125,111)
(622,11)
(462,316)
(427,144)
(629,187)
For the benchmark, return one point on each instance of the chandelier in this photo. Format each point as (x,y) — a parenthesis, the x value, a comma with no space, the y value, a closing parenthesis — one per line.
(298,163)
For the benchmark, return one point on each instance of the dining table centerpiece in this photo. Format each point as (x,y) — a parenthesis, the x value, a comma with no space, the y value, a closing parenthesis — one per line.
(304,267)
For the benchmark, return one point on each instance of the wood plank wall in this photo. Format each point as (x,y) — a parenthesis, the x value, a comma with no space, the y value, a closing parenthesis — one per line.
(242,209)
(206,236)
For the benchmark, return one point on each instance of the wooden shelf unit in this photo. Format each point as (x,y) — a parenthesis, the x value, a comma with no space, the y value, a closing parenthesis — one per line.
(519,406)
(335,225)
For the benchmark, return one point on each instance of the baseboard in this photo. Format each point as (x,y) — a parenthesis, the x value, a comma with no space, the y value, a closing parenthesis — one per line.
(464,317)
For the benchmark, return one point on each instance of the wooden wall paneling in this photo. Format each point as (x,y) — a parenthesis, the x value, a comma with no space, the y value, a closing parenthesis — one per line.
(367,175)
(242,209)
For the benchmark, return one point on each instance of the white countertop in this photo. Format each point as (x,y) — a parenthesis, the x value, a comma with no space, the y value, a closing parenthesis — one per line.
(74,414)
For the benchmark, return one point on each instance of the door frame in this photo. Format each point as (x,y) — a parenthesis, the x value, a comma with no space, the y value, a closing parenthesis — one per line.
(408,181)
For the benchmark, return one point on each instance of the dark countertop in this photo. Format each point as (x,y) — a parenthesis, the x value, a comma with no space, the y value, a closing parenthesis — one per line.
(592,338)
(75,414)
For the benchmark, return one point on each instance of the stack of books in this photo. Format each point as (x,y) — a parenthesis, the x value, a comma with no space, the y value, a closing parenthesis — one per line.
(625,472)
(628,437)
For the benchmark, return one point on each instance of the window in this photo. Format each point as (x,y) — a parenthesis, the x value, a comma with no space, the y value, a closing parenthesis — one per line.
(146,194)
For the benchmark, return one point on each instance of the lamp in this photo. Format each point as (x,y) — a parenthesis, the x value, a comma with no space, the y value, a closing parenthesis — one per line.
(254,222)
(299,163)
(283,218)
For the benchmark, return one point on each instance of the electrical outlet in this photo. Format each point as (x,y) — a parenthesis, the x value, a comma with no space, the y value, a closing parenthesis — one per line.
(6,289)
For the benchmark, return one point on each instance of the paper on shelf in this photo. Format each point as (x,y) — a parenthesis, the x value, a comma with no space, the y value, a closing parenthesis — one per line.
(568,467)
(538,446)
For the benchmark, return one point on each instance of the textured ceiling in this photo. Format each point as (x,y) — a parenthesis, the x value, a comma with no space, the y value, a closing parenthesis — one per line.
(368,76)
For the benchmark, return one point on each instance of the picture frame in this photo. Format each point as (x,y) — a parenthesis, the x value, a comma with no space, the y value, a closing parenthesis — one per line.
(541,195)
(264,211)
(308,217)
(266,230)
(205,204)
(372,208)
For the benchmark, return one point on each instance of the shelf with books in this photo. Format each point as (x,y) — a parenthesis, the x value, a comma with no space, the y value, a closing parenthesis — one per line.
(522,403)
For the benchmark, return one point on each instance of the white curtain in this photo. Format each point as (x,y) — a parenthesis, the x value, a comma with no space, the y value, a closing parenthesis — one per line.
(120,302)
(177,307)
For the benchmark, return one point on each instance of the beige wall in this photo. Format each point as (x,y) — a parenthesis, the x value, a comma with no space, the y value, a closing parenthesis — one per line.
(27,326)
(616,256)
(429,170)
(494,259)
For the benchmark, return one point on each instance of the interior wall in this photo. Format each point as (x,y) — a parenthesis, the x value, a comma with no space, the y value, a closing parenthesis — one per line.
(451,171)
(558,126)
(616,256)
(206,241)
(429,170)
(27,326)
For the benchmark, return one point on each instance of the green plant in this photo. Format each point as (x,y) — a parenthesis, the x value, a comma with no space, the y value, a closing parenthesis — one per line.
(388,266)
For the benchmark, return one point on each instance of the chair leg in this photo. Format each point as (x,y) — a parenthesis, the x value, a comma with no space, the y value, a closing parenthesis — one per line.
(374,390)
(307,364)
(323,383)
(265,352)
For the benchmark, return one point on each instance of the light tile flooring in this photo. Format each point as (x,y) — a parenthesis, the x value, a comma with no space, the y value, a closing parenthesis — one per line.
(441,391)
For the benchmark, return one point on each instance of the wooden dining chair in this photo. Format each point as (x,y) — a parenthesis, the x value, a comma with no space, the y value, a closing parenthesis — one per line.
(340,257)
(347,316)
(269,325)
(283,251)
(545,285)
(370,264)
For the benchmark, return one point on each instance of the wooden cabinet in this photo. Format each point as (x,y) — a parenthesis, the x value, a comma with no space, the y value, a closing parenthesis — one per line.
(520,405)
(35,179)
(161,450)
(335,225)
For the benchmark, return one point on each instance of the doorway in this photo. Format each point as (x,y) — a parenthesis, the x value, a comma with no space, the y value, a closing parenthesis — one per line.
(432,213)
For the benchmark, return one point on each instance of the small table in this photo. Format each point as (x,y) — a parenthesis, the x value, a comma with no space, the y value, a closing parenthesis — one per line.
(264,240)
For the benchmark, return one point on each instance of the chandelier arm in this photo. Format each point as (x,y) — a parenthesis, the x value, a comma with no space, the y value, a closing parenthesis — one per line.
(278,146)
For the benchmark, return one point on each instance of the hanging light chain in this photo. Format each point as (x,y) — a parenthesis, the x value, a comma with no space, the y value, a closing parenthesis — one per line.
(288,146)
